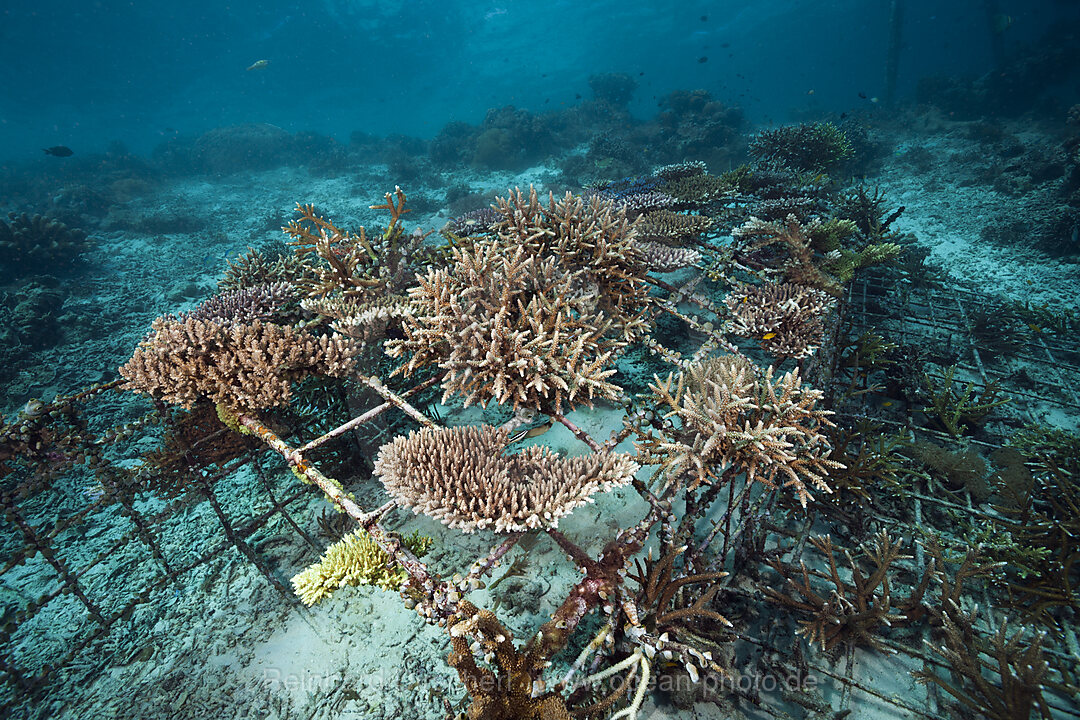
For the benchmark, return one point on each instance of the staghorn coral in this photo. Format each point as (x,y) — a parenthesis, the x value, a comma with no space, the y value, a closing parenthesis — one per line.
(507,694)
(365,321)
(850,612)
(534,316)
(244,365)
(461,477)
(347,255)
(254,269)
(1040,509)
(510,329)
(786,318)
(829,235)
(813,147)
(866,208)
(664,258)
(1016,659)
(343,263)
(757,235)
(842,264)
(953,409)
(245,305)
(670,618)
(731,418)
(672,228)
(871,459)
(592,237)
(37,244)
(334,524)
(659,584)
(838,240)
(354,560)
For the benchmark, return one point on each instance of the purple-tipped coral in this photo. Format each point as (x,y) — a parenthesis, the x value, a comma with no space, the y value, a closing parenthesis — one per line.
(246,304)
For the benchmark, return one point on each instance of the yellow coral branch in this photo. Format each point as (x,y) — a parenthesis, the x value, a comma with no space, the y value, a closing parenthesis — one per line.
(396,210)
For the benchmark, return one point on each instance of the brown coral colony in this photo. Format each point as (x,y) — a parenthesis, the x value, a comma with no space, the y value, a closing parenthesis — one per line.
(538,304)
(461,477)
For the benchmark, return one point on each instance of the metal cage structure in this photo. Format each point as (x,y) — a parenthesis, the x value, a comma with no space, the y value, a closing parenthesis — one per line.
(65,473)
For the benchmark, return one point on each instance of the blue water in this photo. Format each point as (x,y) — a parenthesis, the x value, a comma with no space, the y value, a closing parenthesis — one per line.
(84,74)
(184,134)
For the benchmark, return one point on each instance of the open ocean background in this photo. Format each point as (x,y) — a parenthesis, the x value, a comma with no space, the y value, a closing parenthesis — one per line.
(84,74)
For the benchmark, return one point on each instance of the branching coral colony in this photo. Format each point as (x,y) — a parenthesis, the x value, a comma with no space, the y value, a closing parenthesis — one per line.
(532,308)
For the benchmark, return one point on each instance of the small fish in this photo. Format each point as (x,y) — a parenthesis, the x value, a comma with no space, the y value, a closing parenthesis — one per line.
(704,18)
(703,59)
(33,408)
(531,432)
(887,403)
(1001,22)
(577,96)
(258,65)
(59,151)
(874,100)
(843,115)
(862,95)
(94,492)
(810,91)
(768,336)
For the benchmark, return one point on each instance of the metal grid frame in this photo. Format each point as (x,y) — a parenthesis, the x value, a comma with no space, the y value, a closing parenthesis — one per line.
(912,311)
(929,314)
(48,510)
(906,313)
(925,314)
